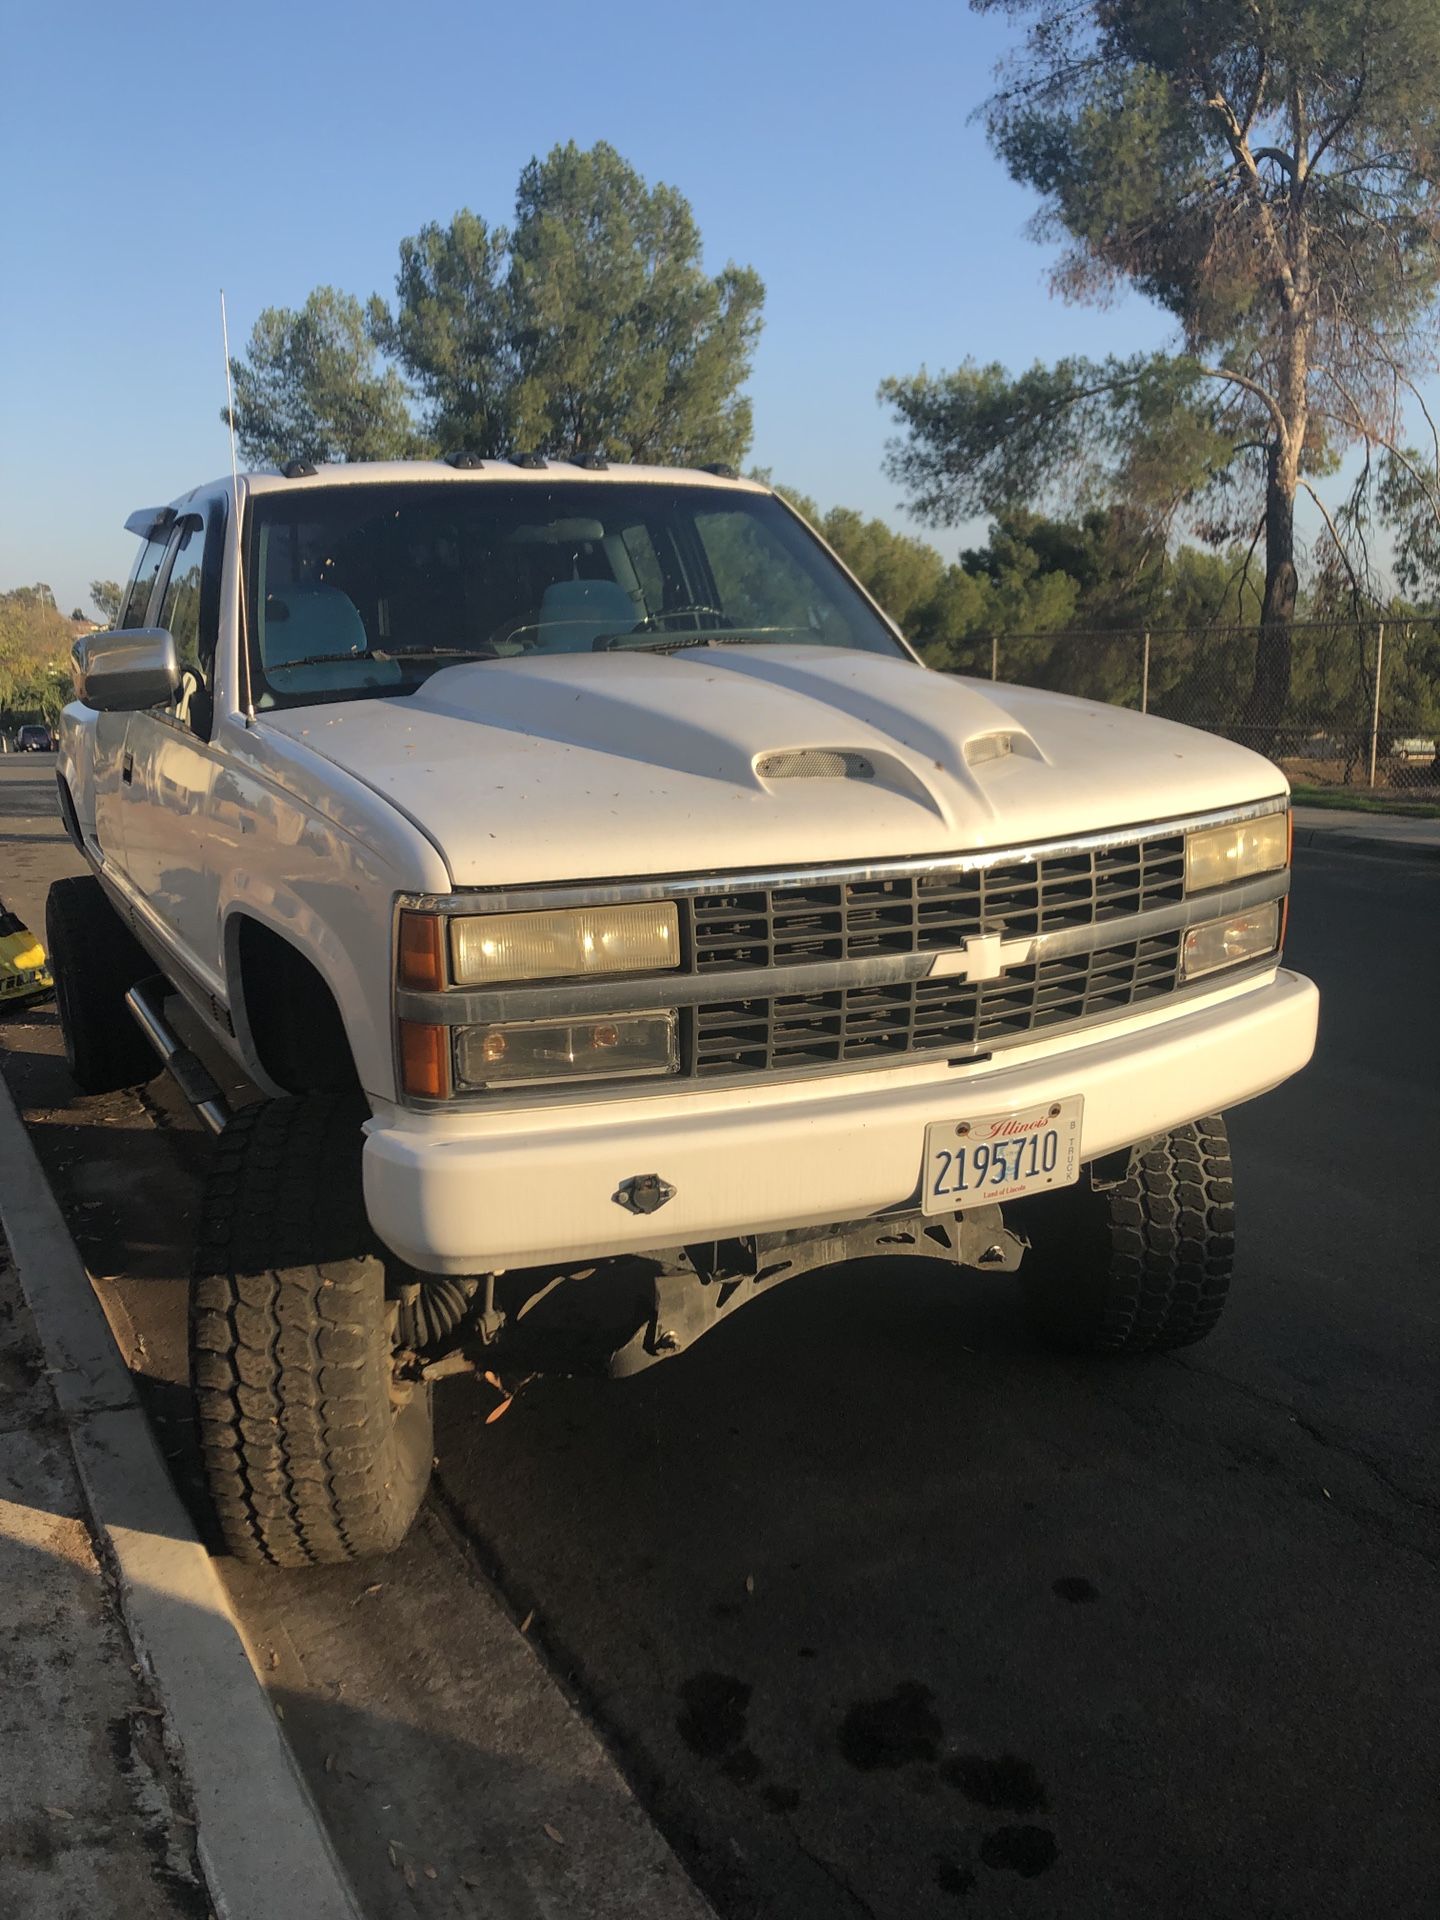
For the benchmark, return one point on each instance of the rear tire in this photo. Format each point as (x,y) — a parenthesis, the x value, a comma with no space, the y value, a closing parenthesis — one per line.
(95,960)
(1146,1264)
(312,1452)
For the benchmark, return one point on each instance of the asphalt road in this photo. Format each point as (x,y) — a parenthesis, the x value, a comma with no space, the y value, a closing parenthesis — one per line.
(884,1611)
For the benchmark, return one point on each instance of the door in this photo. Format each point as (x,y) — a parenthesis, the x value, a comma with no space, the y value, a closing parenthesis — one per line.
(168,767)
(110,792)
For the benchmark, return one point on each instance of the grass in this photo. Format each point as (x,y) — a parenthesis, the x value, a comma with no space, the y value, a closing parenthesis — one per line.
(1359,800)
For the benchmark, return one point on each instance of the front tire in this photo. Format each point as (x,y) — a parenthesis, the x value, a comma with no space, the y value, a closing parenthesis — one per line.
(1143,1265)
(95,960)
(313,1452)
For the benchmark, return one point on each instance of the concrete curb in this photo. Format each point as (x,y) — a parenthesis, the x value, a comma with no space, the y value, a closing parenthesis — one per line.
(261,1842)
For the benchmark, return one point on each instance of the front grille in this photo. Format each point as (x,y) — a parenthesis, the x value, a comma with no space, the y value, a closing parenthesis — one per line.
(817,919)
(863,1026)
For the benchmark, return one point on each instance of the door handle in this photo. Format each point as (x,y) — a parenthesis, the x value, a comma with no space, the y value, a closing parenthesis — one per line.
(127,768)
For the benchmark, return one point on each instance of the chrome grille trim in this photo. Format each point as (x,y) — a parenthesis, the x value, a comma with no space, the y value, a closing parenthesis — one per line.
(734,928)
(461,1006)
(868,1026)
(1123,955)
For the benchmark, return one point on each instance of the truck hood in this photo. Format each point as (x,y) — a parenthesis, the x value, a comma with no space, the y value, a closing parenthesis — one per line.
(602,766)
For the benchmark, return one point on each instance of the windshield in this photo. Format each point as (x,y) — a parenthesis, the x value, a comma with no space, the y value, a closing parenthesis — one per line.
(370,589)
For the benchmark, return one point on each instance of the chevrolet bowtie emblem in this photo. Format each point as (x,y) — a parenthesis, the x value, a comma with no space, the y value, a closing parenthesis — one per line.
(985,957)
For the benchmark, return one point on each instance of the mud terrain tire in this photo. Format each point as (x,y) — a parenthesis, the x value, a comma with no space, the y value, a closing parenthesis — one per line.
(311,1453)
(1142,1265)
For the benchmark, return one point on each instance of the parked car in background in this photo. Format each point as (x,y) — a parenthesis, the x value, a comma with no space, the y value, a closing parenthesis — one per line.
(34,739)
(1415,747)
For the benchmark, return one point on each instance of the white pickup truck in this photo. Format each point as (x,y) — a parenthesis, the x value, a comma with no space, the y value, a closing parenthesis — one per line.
(615,917)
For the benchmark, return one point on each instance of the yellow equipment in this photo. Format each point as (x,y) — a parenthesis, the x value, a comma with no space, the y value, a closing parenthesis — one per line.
(23,972)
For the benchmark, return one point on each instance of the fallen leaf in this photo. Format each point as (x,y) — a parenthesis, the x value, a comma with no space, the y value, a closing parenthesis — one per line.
(279,1711)
(525,1623)
(273,1661)
(493,1380)
(559,1839)
(749,1583)
(329,1763)
(495,1412)
(394,1853)
(432,1873)
(409,1875)
(62,1813)
(471,1880)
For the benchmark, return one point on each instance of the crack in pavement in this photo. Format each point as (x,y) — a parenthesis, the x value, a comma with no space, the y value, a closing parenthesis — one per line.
(1316,1433)
(835,1877)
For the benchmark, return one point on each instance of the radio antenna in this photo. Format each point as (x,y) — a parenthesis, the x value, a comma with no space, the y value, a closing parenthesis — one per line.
(247,692)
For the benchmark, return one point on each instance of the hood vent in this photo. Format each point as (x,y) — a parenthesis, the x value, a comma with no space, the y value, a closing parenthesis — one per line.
(814,763)
(983,747)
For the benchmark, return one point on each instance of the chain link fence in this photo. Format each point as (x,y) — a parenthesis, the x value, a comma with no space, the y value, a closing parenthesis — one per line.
(1363,709)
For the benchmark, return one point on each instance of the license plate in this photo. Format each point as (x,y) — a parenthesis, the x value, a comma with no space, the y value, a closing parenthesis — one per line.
(1001,1156)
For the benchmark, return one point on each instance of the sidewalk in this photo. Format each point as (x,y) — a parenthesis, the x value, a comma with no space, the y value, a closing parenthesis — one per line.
(1389,833)
(142,1770)
(94,1820)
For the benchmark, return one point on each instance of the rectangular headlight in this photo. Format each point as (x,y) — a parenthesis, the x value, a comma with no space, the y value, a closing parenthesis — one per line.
(1216,855)
(1225,943)
(488,948)
(529,1052)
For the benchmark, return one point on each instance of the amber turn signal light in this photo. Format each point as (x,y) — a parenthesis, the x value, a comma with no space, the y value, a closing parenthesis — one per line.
(425,1059)
(422,952)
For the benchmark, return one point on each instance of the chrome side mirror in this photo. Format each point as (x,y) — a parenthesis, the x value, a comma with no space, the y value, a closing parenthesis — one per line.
(126,671)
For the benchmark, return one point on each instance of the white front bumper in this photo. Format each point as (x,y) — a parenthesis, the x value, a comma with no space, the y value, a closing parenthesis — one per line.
(474,1192)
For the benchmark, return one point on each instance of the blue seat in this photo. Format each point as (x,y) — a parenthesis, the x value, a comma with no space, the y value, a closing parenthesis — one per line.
(306,620)
(574,614)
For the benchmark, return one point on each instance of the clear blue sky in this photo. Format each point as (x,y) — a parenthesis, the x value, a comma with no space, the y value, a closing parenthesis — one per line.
(149,159)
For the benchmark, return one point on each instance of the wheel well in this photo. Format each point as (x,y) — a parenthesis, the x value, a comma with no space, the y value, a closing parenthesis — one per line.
(295,1025)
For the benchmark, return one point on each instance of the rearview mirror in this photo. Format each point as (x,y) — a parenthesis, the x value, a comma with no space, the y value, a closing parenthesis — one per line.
(125,671)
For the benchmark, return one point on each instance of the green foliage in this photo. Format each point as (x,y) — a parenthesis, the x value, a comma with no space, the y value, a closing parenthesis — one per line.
(1269,174)
(902,573)
(980,441)
(34,656)
(451,331)
(105,597)
(1241,163)
(309,388)
(1409,503)
(590,326)
(1036,577)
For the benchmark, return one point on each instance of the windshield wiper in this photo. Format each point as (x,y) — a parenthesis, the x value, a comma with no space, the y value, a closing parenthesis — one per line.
(384,653)
(673,642)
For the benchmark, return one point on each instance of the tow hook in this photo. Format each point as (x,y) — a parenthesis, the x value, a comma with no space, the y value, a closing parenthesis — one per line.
(644,1193)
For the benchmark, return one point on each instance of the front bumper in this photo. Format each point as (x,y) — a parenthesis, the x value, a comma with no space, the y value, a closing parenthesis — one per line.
(526,1187)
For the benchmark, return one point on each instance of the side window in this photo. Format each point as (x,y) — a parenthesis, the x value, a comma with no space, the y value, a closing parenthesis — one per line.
(180,603)
(142,580)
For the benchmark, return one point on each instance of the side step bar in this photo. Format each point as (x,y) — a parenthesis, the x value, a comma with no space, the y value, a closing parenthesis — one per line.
(147,1004)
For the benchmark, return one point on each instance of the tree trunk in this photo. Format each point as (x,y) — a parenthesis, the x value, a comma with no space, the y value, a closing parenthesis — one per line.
(1270,689)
